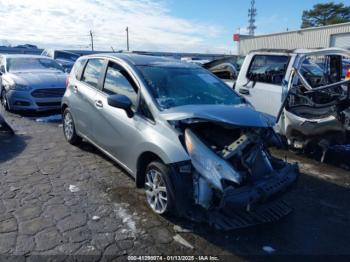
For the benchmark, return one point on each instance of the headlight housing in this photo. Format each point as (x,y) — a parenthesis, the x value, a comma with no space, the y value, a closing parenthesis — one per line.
(208,163)
(20,87)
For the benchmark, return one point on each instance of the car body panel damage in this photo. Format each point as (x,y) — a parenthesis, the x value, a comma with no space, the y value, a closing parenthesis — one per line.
(241,114)
(226,68)
(235,179)
(306,90)
(316,108)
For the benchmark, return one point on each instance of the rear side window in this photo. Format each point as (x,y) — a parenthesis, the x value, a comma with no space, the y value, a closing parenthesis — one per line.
(92,72)
(118,81)
(268,68)
(78,68)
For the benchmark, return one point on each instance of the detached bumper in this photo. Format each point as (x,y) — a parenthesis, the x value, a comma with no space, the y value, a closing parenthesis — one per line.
(248,196)
(256,204)
(243,207)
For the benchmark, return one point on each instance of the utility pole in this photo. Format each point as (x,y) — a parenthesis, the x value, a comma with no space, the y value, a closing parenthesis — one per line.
(252,14)
(127,38)
(92,41)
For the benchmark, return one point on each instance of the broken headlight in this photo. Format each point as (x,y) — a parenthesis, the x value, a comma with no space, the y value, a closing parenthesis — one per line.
(208,163)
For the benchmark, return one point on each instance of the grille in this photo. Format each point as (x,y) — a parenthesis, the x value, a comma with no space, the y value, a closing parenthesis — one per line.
(48,103)
(50,92)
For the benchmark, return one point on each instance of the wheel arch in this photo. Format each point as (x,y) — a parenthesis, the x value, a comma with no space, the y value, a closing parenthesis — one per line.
(63,107)
(142,162)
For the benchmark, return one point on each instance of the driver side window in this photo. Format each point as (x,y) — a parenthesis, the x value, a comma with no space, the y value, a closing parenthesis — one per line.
(118,81)
(268,69)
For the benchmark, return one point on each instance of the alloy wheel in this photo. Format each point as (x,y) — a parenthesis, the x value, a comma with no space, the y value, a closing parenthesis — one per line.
(68,126)
(156,191)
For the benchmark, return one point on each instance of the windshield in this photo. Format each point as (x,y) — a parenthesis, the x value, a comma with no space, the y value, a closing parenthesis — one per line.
(67,56)
(172,87)
(20,64)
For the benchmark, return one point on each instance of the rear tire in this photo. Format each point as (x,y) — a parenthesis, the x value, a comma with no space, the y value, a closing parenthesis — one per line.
(69,130)
(157,188)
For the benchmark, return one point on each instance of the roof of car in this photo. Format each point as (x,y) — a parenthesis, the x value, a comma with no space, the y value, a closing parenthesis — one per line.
(23,55)
(147,60)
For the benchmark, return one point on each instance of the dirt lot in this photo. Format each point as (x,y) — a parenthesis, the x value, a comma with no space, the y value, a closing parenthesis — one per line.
(105,217)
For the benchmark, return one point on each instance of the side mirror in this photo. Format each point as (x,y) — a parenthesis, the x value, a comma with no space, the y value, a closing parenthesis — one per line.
(2,69)
(122,102)
(252,78)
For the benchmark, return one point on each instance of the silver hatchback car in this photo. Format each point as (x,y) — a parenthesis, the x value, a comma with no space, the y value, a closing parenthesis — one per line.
(195,145)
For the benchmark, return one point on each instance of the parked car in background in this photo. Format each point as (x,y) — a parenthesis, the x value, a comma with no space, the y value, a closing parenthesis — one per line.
(195,60)
(31,82)
(309,98)
(193,143)
(64,58)
(226,68)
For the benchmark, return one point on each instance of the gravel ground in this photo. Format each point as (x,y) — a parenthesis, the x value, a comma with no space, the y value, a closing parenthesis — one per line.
(57,200)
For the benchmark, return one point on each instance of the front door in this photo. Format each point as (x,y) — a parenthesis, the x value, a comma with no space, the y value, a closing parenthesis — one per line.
(114,131)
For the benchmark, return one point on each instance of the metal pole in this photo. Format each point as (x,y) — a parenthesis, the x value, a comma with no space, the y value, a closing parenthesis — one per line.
(92,41)
(127,38)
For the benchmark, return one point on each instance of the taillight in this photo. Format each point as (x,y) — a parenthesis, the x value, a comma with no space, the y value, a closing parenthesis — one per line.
(347,76)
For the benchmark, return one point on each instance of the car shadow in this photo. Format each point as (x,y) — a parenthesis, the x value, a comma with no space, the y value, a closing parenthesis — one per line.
(11,145)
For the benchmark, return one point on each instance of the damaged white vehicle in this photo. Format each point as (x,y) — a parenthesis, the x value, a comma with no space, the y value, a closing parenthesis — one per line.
(196,146)
(304,90)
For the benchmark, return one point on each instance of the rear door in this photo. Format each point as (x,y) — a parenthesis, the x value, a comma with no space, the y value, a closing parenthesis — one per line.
(84,92)
(265,90)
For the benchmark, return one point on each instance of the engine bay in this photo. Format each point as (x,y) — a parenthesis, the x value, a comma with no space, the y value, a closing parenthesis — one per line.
(228,158)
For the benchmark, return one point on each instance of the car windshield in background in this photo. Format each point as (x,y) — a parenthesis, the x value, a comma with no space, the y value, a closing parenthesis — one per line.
(172,87)
(20,64)
(312,69)
(66,56)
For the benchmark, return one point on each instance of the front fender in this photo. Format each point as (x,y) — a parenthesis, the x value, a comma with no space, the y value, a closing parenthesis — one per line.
(172,154)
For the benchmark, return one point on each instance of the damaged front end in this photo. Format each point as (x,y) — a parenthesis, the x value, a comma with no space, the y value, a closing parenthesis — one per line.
(236,182)
(316,107)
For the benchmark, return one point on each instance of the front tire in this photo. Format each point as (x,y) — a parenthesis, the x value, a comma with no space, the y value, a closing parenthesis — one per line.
(157,189)
(4,100)
(69,128)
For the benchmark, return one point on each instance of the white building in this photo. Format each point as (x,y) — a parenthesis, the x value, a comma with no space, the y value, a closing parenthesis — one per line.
(317,37)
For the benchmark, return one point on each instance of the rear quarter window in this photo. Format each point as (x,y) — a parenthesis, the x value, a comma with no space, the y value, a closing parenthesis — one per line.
(92,72)
(78,68)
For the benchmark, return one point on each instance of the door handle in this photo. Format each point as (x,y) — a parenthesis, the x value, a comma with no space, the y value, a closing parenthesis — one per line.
(244,91)
(98,103)
(75,88)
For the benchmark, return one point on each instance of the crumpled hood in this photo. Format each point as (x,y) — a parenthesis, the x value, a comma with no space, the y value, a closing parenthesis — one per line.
(45,79)
(239,115)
